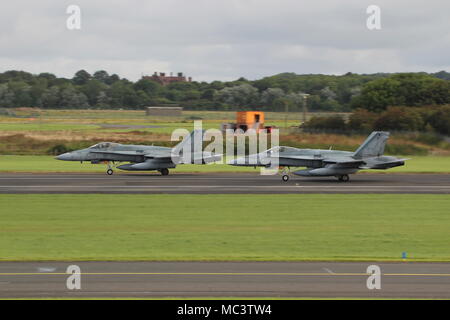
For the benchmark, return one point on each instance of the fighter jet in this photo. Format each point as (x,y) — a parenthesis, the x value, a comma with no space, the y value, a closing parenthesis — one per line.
(325,163)
(143,158)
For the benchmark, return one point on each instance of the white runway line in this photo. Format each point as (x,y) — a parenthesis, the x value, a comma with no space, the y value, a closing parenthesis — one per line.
(328,270)
(46,270)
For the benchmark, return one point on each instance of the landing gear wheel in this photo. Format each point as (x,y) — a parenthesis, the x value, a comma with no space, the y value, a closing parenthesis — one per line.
(110,172)
(164,172)
(285,174)
(344,178)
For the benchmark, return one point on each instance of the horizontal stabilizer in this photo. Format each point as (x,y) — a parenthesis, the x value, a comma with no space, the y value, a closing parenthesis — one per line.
(384,165)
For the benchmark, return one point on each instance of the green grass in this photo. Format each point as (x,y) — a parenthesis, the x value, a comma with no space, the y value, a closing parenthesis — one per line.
(422,164)
(418,164)
(34,132)
(45,126)
(90,120)
(224,227)
(139,114)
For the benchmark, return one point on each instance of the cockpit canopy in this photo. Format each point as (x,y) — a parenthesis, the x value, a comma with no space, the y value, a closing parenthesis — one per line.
(104,145)
(280,149)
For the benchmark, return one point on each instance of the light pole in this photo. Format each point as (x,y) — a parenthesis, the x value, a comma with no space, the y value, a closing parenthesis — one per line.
(305,106)
(286,111)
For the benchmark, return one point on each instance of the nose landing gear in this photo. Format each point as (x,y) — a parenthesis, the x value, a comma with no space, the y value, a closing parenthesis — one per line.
(285,174)
(110,170)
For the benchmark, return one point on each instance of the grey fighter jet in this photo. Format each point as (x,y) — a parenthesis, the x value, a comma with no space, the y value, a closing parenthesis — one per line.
(144,158)
(325,163)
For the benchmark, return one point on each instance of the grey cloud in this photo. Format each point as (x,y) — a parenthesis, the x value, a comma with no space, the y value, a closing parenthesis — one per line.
(225,39)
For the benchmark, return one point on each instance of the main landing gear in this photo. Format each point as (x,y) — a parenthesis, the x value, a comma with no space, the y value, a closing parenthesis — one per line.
(164,172)
(344,178)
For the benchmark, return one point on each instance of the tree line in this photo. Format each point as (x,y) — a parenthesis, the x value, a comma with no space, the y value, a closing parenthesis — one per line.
(283,92)
(431,119)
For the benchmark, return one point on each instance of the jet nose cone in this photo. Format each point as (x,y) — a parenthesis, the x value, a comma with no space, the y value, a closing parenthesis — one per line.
(65,157)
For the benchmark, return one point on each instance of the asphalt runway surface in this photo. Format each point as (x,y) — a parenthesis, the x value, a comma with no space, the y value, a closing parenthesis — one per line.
(226,183)
(224,279)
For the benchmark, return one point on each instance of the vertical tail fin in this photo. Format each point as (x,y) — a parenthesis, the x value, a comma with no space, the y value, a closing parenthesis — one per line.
(373,146)
(190,150)
(195,140)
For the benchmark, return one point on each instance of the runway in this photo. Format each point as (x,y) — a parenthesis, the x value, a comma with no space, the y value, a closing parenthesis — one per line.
(226,183)
(224,279)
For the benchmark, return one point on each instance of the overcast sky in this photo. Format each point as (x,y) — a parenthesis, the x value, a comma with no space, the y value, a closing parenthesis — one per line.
(224,39)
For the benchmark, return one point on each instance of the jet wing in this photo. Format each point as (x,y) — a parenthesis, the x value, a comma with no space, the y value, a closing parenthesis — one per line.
(285,160)
(300,161)
(162,155)
(342,160)
(198,158)
(159,155)
(305,158)
(121,153)
(344,163)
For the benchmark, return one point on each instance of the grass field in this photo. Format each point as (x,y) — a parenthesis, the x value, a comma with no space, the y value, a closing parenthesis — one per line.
(41,164)
(140,114)
(224,227)
(38,132)
(34,132)
(82,126)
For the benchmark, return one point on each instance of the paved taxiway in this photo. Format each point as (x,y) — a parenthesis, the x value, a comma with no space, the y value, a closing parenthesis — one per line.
(224,279)
(251,183)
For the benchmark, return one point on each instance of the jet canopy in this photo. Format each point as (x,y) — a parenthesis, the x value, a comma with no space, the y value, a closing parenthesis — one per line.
(280,149)
(104,145)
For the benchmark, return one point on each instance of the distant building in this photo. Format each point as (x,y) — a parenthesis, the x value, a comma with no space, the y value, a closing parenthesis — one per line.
(165,80)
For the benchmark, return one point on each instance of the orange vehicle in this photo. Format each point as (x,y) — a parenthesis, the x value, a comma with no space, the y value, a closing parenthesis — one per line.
(250,120)
(246,120)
